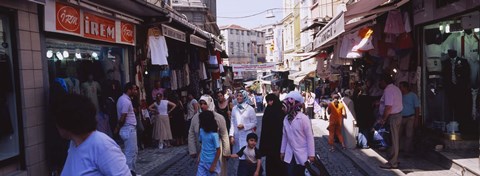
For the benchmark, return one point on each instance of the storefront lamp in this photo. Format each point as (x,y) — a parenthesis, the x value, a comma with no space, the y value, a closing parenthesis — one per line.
(49,54)
(394,70)
(59,55)
(146,72)
(476,30)
(78,55)
(351,68)
(65,54)
(95,55)
(447,28)
(440,27)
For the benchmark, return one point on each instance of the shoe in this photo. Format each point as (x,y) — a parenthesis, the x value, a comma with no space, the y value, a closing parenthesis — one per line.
(160,146)
(388,166)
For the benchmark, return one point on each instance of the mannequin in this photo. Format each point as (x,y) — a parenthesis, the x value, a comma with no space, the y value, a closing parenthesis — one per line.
(467,45)
(112,67)
(91,89)
(456,77)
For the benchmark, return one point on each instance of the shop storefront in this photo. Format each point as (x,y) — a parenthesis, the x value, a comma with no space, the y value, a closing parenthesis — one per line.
(449,51)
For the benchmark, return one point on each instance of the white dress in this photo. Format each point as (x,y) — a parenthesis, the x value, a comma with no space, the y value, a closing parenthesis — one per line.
(157,48)
(248,118)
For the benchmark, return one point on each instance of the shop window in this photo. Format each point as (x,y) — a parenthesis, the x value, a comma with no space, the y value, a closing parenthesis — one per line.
(451,54)
(9,138)
(96,71)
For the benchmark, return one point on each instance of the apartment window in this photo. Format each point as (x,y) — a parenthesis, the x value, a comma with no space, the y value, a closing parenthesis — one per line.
(248,33)
(238,47)
(231,31)
(243,32)
(243,47)
(238,32)
(248,47)
(231,47)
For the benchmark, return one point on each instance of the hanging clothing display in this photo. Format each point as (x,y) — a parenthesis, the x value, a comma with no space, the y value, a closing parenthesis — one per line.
(173,81)
(139,82)
(90,89)
(394,23)
(202,71)
(73,85)
(157,47)
(406,22)
(112,68)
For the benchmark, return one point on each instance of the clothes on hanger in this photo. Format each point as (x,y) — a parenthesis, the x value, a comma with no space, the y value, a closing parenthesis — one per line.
(157,47)
(394,23)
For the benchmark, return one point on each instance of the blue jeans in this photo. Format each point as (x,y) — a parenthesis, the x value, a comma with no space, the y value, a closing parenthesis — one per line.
(129,137)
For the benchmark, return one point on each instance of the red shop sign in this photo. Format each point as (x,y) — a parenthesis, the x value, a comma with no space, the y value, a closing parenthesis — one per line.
(99,28)
(67,18)
(127,32)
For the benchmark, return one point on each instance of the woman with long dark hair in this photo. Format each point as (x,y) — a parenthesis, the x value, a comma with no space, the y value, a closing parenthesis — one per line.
(271,136)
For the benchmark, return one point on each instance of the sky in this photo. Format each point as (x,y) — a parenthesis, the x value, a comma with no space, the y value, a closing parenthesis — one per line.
(239,8)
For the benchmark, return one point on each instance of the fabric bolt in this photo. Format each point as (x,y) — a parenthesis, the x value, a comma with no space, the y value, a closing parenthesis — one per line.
(158,50)
(97,155)
(297,140)
(394,23)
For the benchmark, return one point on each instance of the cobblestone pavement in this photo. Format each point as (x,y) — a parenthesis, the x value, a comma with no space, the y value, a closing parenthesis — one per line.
(336,163)
(151,160)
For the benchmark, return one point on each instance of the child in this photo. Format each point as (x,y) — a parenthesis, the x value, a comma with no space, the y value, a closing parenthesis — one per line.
(251,163)
(210,152)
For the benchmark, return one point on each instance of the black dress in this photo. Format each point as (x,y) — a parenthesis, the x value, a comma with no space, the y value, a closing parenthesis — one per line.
(224,113)
(177,122)
(271,138)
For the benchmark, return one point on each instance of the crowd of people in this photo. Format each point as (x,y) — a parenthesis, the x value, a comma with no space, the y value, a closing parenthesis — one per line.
(221,128)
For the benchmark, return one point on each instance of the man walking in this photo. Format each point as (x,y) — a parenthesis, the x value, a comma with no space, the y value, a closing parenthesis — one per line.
(411,109)
(390,109)
(127,124)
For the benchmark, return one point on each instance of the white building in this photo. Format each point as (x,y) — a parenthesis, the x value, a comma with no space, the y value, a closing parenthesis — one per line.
(243,46)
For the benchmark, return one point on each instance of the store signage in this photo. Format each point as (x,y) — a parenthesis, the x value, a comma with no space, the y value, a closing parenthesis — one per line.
(173,33)
(127,32)
(68,19)
(333,28)
(252,67)
(197,41)
(97,27)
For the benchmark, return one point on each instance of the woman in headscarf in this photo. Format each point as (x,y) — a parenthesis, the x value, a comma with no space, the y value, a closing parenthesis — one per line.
(244,121)
(297,139)
(206,104)
(271,137)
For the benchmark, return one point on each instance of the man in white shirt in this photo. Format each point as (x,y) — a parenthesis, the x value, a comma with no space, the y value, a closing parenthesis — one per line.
(127,124)
(91,152)
(391,107)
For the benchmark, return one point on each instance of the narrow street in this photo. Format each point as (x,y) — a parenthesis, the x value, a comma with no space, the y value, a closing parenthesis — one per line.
(336,163)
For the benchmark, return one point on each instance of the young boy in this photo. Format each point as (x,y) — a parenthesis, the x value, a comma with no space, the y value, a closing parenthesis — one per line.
(210,153)
(251,163)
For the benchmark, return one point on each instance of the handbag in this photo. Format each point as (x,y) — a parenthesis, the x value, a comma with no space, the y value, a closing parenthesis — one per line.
(316,168)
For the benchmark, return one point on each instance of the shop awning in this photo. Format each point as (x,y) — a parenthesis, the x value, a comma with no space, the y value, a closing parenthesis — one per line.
(314,25)
(362,6)
(386,6)
(139,8)
(300,54)
(302,73)
(334,28)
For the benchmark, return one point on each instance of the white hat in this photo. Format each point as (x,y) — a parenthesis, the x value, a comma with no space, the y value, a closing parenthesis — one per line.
(296,96)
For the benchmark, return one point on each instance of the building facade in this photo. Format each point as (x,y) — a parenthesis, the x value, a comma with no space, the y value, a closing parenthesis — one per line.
(202,13)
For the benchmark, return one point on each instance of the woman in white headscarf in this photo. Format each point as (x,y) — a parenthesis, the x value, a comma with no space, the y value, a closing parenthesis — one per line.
(206,104)
(243,122)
